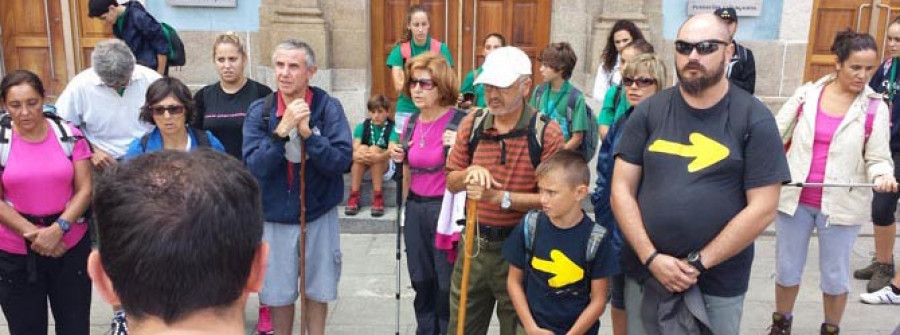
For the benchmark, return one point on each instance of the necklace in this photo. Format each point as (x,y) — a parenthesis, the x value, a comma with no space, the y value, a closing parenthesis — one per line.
(425,133)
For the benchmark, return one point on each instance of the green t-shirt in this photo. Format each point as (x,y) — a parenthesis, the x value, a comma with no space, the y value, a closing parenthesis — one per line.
(554,103)
(395,58)
(611,111)
(376,134)
(468,87)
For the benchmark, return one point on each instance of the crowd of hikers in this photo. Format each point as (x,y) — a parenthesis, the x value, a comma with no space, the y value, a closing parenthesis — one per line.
(178,205)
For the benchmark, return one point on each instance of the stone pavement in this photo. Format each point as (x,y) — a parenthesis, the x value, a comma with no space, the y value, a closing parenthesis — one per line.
(367,306)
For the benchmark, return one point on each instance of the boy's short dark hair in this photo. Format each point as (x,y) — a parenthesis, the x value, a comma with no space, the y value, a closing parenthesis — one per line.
(100,7)
(378,101)
(560,57)
(178,231)
(570,163)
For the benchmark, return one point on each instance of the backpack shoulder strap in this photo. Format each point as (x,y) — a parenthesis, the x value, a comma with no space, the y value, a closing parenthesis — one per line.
(529,229)
(63,134)
(388,129)
(5,137)
(435,46)
(144,140)
(536,129)
(408,130)
(594,240)
(367,128)
(538,94)
(458,115)
(201,137)
(570,107)
(870,116)
(405,50)
(268,103)
(477,132)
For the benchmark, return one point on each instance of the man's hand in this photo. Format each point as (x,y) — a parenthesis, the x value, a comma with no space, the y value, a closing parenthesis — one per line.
(885,183)
(479,184)
(674,274)
(101,159)
(45,240)
(302,118)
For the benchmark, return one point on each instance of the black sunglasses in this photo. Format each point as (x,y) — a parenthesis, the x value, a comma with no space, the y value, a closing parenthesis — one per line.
(427,84)
(172,109)
(640,81)
(703,47)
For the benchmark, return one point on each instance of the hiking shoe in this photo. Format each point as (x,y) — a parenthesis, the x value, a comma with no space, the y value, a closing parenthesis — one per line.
(780,325)
(352,204)
(884,296)
(866,272)
(264,322)
(829,329)
(881,277)
(378,204)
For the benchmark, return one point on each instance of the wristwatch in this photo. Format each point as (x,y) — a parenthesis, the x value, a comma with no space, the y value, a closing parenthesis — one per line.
(506,201)
(693,259)
(64,224)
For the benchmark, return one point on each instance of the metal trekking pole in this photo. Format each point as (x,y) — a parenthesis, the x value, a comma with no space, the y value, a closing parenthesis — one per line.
(398,177)
(304,311)
(471,214)
(819,185)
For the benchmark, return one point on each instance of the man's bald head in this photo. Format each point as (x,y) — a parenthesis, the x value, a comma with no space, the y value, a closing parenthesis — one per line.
(704,26)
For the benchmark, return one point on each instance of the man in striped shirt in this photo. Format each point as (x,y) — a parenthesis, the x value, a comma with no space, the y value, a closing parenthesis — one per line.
(499,174)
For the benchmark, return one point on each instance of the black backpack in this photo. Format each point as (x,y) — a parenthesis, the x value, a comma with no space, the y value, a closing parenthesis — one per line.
(385,134)
(64,135)
(537,126)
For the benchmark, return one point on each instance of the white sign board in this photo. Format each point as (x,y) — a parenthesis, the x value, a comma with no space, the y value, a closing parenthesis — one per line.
(203,3)
(742,7)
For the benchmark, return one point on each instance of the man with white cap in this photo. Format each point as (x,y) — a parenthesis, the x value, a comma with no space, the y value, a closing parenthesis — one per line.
(493,159)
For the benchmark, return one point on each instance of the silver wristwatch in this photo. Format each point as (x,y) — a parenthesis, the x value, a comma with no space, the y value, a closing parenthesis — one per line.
(506,201)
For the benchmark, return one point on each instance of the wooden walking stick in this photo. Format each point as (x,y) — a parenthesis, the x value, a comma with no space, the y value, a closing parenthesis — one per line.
(304,315)
(471,221)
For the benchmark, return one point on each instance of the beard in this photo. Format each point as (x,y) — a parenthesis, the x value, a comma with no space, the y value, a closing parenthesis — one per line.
(696,86)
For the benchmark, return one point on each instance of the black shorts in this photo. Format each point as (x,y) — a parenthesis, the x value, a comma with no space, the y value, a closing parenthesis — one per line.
(885,204)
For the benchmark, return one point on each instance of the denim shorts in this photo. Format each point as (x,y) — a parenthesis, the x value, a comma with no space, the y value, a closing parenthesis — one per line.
(323,261)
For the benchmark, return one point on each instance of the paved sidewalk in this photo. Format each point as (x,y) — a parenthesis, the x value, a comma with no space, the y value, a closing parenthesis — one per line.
(367,305)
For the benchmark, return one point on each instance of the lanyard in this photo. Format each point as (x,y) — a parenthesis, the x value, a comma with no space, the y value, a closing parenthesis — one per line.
(551,106)
(891,89)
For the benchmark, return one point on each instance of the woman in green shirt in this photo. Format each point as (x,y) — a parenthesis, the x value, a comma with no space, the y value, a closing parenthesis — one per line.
(473,95)
(416,40)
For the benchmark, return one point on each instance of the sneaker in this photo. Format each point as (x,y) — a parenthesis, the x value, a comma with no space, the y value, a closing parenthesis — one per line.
(866,272)
(780,325)
(378,204)
(264,323)
(884,296)
(829,329)
(352,204)
(881,277)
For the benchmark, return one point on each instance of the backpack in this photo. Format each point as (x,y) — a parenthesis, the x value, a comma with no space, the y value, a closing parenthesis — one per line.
(591,137)
(529,230)
(453,125)
(385,134)
(870,120)
(63,134)
(537,125)
(176,56)
(406,48)
(199,135)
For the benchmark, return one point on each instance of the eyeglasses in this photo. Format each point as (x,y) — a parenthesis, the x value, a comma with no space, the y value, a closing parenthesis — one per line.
(161,110)
(640,81)
(426,84)
(703,47)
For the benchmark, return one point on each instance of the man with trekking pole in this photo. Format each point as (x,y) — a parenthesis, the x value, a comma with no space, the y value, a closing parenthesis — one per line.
(298,138)
(494,159)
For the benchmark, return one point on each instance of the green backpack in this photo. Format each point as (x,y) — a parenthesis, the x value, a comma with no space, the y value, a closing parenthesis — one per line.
(176,55)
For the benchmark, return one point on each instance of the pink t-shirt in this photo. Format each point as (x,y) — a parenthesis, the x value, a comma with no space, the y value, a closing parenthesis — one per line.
(427,156)
(38,181)
(826,125)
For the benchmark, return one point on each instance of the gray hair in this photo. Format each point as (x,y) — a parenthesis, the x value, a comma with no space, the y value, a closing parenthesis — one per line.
(295,44)
(113,62)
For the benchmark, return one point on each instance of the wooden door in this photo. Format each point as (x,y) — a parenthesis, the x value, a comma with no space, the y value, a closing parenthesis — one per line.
(887,10)
(33,40)
(524,23)
(88,31)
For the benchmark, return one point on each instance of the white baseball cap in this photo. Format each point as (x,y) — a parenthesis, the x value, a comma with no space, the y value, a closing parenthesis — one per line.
(504,66)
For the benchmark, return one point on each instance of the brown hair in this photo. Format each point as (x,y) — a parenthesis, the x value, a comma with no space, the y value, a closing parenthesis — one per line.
(229,38)
(559,57)
(19,77)
(407,33)
(378,101)
(571,164)
(161,89)
(609,52)
(441,73)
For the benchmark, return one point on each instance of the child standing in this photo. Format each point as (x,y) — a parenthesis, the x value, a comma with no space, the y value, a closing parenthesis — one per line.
(557,63)
(559,259)
(370,152)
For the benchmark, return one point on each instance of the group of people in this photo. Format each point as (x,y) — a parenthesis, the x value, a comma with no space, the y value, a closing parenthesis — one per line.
(687,178)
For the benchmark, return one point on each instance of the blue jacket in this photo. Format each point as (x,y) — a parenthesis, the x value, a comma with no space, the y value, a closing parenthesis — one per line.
(143,34)
(154,142)
(881,83)
(328,151)
(600,198)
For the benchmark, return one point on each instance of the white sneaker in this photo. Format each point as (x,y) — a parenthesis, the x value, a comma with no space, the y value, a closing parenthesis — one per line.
(883,296)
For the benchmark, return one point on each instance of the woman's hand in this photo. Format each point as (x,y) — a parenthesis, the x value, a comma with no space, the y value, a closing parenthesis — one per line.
(397,154)
(45,241)
(885,183)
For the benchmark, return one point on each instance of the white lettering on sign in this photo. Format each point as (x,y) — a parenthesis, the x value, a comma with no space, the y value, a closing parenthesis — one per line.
(202,3)
(742,7)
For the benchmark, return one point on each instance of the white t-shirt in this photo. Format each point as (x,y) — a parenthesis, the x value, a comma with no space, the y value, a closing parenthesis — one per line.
(606,79)
(108,120)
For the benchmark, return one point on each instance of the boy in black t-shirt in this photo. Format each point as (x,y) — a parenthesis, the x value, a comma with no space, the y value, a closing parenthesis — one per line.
(558,281)
(370,153)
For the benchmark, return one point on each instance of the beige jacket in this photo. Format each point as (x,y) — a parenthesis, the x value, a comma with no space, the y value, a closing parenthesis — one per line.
(841,205)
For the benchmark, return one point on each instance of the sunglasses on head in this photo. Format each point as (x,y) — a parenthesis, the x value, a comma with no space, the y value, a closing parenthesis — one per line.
(703,47)
(426,84)
(172,109)
(640,81)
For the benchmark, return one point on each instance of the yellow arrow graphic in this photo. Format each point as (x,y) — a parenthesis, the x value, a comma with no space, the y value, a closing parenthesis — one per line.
(565,271)
(705,151)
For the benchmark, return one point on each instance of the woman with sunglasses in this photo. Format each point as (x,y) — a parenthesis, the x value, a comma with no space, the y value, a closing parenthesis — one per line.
(609,72)
(45,188)
(614,103)
(642,77)
(169,108)
(432,85)
(835,131)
